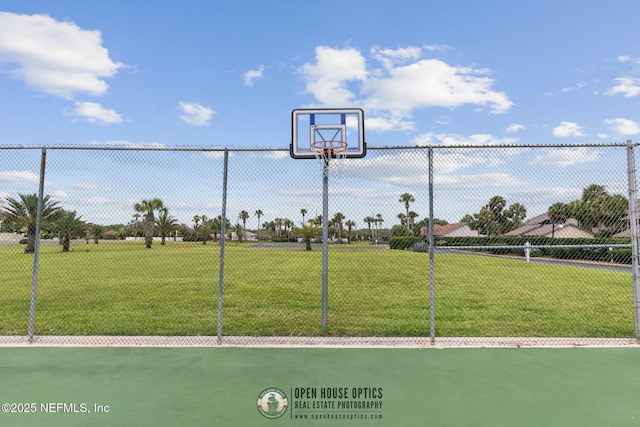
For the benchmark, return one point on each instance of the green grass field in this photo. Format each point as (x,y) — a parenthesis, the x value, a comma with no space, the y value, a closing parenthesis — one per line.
(121,288)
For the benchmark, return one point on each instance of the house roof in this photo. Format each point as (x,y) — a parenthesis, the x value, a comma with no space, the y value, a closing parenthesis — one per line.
(441,230)
(540,219)
(549,230)
(525,229)
(624,233)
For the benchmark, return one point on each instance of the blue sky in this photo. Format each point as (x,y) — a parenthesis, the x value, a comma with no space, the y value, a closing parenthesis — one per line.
(198,73)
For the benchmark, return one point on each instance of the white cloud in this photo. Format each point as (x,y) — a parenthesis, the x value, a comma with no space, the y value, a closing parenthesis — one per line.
(252,75)
(552,194)
(565,129)
(627,86)
(127,144)
(578,86)
(19,177)
(448,164)
(60,195)
(489,180)
(623,126)
(436,47)
(514,127)
(80,185)
(566,157)
(351,192)
(276,155)
(195,114)
(390,58)
(327,78)
(94,113)
(432,83)
(97,201)
(480,139)
(389,123)
(218,153)
(55,57)
(403,83)
(443,120)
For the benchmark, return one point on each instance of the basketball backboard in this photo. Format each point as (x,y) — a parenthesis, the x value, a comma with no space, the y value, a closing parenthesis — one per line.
(334,127)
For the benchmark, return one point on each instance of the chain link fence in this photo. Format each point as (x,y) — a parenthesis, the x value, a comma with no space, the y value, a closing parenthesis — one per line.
(434,245)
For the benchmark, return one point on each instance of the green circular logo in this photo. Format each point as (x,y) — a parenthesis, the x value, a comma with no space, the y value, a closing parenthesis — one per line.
(272,403)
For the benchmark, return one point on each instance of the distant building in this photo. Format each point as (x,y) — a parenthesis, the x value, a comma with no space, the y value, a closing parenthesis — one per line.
(542,226)
(459,229)
(247,236)
(10,237)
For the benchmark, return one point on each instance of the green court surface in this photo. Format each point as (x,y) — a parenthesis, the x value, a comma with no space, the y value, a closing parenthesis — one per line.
(324,387)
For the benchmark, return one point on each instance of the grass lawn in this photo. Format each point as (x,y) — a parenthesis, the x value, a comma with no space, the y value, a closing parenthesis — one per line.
(121,288)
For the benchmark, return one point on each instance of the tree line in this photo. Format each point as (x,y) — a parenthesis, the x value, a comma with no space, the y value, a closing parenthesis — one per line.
(595,210)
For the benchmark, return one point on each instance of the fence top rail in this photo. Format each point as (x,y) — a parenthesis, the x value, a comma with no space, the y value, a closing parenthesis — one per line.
(598,246)
(136,147)
(502,146)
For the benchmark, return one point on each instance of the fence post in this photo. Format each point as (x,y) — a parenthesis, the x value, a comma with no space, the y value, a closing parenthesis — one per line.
(432,288)
(36,250)
(633,220)
(223,238)
(325,243)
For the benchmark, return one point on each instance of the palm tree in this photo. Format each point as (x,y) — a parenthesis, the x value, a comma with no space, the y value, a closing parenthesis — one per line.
(136,216)
(279,223)
(288,227)
(68,225)
(379,220)
(308,232)
(95,232)
(303,212)
(216,227)
(259,213)
(516,213)
(239,233)
(196,222)
(244,216)
(496,208)
(369,220)
(407,198)
(207,227)
(148,208)
(350,224)
(24,212)
(165,224)
(411,220)
(270,228)
(337,223)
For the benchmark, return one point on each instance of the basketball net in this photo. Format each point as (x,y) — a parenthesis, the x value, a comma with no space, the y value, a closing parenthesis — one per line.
(333,153)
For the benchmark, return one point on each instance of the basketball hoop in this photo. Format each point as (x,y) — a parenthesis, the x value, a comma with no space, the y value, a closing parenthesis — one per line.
(332,152)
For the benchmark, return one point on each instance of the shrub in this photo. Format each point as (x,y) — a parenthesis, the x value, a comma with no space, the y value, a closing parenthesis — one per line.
(110,235)
(402,242)
(420,247)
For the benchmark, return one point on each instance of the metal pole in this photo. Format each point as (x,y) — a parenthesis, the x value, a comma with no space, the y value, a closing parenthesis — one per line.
(633,219)
(432,286)
(325,242)
(223,231)
(36,250)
